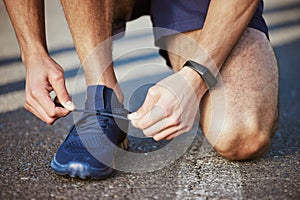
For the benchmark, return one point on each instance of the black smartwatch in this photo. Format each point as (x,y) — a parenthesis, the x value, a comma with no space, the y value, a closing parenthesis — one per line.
(207,76)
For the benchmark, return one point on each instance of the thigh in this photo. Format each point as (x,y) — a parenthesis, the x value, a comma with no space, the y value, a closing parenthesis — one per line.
(250,80)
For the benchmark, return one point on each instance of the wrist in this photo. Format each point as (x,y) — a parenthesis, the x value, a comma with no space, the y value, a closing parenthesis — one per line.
(195,81)
(33,54)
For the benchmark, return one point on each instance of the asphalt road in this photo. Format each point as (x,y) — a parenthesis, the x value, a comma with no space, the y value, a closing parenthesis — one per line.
(27,145)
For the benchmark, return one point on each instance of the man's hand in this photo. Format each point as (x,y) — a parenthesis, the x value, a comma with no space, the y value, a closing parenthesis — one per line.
(44,75)
(170,106)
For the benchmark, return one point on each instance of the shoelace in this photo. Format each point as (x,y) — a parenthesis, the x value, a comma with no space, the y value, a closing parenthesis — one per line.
(103,113)
(102,121)
(98,112)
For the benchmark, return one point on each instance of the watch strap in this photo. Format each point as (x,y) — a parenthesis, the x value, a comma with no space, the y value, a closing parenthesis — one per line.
(203,71)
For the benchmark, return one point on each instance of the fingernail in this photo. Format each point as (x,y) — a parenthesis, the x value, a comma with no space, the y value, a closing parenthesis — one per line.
(132,116)
(70,105)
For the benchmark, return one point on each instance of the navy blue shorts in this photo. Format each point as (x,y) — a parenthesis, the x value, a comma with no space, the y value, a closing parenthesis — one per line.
(183,15)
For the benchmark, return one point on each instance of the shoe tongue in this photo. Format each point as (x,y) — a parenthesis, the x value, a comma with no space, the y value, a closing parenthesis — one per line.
(100,97)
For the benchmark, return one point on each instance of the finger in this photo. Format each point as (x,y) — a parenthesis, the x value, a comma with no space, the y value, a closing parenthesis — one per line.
(33,111)
(172,136)
(59,108)
(38,111)
(162,125)
(150,100)
(45,105)
(165,133)
(61,112)
(132,116)
(155,128)
(156,114)
(62,94)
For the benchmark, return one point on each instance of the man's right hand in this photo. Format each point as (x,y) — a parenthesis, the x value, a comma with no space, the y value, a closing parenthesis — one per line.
(44,75)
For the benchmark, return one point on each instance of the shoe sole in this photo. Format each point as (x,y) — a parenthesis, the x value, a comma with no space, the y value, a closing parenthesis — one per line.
(84,170)
(81,170)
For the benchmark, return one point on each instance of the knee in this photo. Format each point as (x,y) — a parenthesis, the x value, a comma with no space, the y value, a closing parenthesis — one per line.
(244,149)
(244,142)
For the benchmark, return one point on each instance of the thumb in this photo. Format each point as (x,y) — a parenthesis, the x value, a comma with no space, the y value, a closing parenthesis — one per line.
(63,95)
(149,102)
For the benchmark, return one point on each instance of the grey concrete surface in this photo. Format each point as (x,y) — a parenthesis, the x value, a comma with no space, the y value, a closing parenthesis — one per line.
(27,145)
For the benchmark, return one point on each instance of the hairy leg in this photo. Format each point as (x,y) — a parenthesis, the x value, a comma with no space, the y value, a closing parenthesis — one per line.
(90,23)
(250,106)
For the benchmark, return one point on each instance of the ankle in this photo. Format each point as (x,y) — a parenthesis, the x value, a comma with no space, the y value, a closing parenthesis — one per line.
(119,93)
(117,90)
(103,97)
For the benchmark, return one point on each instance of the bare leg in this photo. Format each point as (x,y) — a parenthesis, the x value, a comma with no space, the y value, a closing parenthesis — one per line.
(90,23)
(250,77)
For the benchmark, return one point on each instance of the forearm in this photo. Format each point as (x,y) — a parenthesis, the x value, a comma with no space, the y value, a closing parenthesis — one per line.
(27,17)
(43,74)
(225,23)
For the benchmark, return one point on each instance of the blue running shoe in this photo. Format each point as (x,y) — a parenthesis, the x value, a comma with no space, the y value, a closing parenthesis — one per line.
(88,150)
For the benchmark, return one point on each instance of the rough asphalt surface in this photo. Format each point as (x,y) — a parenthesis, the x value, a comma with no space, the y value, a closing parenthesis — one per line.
(27,146)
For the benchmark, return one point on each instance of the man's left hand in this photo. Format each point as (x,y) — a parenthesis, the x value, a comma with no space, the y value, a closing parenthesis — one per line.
(170,106)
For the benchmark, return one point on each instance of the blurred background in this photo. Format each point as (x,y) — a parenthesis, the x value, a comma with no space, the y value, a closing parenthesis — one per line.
(27,144)
(283,18)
